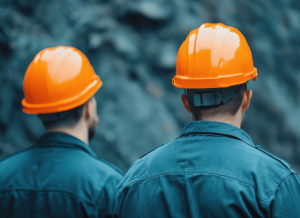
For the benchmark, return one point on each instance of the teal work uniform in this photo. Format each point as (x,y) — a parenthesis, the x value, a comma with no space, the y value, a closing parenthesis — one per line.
(58,177)
(212,170)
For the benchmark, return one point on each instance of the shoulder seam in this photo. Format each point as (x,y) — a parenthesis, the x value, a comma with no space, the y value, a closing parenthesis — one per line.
(151,151)
(286,165)
(109,165)
(18,152)
(277,187)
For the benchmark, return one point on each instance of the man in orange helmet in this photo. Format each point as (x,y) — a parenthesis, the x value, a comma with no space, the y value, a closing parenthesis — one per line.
(60,176)
(213,169)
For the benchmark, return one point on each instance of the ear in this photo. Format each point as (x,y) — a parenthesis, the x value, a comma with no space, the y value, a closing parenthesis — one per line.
(185,102)
(87,113)
(246,100)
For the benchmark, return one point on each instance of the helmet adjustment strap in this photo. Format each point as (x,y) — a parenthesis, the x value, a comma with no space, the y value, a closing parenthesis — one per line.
(211,97)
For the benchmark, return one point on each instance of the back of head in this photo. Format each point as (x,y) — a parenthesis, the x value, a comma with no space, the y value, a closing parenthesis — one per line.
(221,102)
(65,119)
(213,65)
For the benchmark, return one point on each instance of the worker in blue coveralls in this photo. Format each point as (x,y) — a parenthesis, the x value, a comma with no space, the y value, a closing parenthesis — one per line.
(60,176)
(213,169)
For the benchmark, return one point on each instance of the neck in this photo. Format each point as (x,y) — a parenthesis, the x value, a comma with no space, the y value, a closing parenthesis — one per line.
(235,120)
(79,131)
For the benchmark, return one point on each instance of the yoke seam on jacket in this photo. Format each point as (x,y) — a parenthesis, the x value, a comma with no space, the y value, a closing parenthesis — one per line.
(219,175)
(60,191)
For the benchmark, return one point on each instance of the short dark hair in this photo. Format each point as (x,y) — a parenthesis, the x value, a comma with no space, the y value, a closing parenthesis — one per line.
(230,108)
(68,118)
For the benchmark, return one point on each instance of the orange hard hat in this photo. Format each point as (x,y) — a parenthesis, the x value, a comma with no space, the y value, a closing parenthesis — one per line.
(58,79)
(214,56)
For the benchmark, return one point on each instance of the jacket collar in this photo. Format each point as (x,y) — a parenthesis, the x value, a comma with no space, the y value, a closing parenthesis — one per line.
(212,127)
(59,139)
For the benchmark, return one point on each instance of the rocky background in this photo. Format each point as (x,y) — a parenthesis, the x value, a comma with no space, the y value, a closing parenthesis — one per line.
(133,46)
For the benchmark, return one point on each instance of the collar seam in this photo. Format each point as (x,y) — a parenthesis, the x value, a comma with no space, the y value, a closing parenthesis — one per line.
(220,134)
(64,144)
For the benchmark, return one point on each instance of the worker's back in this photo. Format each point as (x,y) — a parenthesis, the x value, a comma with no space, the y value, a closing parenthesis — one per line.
(58,177)
(212,170)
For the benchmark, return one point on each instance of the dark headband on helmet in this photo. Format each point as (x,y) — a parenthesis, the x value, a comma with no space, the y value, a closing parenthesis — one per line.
(211,97)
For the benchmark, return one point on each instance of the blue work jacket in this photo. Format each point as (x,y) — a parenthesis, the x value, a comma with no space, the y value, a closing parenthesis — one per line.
(58,177)
(212,170)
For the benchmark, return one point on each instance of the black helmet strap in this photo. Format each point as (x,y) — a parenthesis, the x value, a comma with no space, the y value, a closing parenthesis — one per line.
(210,98)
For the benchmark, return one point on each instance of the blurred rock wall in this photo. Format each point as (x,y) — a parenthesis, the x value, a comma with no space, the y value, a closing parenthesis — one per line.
(133,46)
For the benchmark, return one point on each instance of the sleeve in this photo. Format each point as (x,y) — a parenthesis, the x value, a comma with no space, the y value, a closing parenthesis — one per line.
(106,199)
(285,201)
